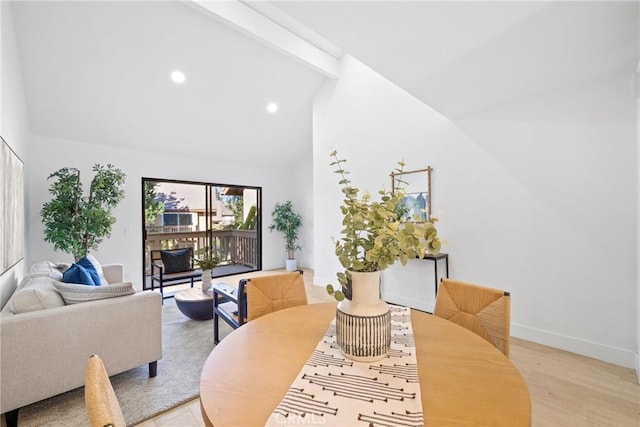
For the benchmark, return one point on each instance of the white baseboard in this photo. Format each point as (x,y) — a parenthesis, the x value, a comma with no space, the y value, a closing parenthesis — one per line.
(423,305)
(610,354)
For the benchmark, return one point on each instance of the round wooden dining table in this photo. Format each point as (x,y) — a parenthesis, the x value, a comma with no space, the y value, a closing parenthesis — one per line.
(464,380)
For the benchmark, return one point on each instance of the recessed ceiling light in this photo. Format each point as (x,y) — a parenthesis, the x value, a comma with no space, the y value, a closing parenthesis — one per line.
(178,76)
(272,108)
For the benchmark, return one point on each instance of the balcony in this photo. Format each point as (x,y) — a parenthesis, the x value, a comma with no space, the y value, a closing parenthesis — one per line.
(238,249)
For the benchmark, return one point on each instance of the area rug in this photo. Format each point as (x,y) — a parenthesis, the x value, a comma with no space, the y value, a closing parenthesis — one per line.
(186,344)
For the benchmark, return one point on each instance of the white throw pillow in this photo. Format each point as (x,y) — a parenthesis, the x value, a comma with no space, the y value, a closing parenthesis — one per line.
(36,293)
(73,293)
(98,267)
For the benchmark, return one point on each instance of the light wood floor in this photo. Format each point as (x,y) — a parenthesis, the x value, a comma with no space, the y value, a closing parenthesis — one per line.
(566,389)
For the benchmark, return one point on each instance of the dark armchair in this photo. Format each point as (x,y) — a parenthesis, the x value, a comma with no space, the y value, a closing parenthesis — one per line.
(173,267)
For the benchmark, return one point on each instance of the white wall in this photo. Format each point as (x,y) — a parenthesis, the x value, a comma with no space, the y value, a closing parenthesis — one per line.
(125,244)
(14,126)
(637,94)
(638,236)
(534,199)
(300,181)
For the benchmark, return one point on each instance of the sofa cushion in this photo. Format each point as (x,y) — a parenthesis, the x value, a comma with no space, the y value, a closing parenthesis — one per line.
(74,293)
(27,278)
(48,268)
(79,275)
(91,269)
(37,293)
(176,261)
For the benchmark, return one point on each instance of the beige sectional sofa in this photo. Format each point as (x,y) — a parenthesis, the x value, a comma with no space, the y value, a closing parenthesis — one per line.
(44,352)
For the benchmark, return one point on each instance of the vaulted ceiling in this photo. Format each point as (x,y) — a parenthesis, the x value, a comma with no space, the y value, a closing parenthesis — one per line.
(99,71)
(466,57)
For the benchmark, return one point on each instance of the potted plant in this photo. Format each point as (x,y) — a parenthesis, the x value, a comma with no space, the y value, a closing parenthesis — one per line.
(76,223)
(286,220)
(374,237)
(207,264)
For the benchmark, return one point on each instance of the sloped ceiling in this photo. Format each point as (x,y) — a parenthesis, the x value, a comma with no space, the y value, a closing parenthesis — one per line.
(463,58)
(98,71)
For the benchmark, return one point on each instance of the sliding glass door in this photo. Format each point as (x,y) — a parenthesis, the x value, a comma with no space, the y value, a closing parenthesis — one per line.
(210,218)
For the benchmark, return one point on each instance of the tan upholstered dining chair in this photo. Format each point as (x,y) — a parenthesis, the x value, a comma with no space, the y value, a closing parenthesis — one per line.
(256,297)
(100,399)
(484,311)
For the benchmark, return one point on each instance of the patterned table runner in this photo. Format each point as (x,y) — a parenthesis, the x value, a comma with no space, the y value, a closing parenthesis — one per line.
(331,390)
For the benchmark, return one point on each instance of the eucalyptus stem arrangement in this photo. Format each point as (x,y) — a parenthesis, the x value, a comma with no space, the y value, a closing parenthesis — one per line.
(374,234)
(208,262)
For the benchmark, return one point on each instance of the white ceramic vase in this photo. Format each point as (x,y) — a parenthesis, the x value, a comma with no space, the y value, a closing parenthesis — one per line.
(206,281)
(363,324)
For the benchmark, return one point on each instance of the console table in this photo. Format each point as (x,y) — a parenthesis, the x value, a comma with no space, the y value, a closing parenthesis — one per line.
(435,259)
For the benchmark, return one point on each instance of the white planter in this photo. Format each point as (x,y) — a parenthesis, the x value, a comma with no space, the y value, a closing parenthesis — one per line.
(363,325)
(291,264)
(206,281)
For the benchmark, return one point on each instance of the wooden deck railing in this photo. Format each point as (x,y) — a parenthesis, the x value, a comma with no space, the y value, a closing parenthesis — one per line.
(160,229)
(233,246)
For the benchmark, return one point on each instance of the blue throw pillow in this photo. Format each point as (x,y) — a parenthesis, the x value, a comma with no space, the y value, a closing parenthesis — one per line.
(78,274)
(88,265)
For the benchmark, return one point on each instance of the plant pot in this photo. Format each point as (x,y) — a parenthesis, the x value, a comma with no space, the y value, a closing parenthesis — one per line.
(291,264)
(363,325)
(206,281)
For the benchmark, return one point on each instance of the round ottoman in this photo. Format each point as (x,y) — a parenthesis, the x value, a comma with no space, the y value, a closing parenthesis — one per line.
(195,304)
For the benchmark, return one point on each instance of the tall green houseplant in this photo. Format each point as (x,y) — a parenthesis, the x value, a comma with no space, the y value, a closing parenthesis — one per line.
(152,206)
(76,223)
(287,221)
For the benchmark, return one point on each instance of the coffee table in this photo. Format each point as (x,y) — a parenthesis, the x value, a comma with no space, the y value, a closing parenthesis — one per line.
(197,305)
